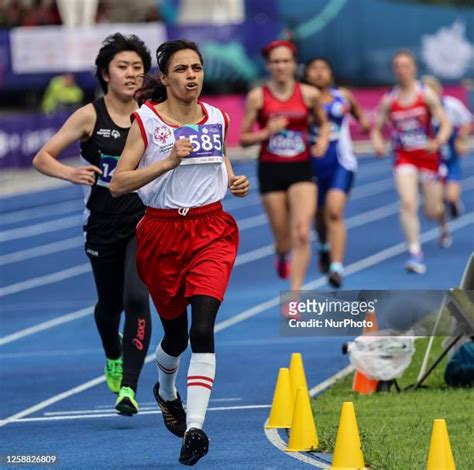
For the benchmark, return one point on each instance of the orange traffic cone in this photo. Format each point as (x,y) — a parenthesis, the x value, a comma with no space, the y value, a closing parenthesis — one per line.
(362,383)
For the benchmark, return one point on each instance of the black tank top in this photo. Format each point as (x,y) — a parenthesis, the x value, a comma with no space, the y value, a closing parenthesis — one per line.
(103,150)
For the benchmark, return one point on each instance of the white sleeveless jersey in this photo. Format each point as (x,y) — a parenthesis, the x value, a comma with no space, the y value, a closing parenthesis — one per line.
(201,178)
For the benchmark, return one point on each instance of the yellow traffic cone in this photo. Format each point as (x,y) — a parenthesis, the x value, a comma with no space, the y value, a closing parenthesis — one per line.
(440,456)
(281,412)
(348,449)
(297,375)
(303,434)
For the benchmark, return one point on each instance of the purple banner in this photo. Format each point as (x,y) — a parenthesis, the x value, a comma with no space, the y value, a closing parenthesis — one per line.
(22,135)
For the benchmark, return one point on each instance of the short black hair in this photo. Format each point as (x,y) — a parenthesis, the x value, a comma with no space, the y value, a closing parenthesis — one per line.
(114,44)
(317,59)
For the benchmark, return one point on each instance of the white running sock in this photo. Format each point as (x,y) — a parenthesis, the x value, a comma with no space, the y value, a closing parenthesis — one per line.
(167,371)
(201,373)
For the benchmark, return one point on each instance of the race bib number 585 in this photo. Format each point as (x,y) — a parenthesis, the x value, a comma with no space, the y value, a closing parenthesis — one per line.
(207,142)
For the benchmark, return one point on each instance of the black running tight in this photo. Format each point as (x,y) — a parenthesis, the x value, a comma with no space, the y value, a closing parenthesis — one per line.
(119,288)
(201,335)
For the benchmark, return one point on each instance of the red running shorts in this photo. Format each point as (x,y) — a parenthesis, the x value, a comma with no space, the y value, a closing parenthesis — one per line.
(185,252)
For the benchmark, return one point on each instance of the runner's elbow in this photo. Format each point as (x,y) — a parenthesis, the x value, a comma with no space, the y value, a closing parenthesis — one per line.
(244,141)
(115,188)
(37,161)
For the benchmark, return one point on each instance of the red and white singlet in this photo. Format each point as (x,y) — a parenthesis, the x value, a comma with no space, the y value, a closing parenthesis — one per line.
(290,144)
(411,131)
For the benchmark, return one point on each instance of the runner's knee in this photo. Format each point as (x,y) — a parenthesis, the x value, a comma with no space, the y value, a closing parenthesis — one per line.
(301,233)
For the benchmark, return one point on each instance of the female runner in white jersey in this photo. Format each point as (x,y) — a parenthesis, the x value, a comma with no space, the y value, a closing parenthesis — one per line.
(186,244)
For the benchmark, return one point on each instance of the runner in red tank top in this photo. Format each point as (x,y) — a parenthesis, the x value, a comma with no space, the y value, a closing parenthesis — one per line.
(289,145)
(409,107)
(282,109)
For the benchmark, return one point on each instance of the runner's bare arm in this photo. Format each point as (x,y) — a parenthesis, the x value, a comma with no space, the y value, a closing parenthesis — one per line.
(79,126)
(238,185)
(380,120)
(253,105)
(312,100)
(356,110)
(127,177)
(461,142)
(445,128)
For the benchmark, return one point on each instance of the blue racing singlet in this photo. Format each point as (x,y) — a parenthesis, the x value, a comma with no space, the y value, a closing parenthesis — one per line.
(339,151)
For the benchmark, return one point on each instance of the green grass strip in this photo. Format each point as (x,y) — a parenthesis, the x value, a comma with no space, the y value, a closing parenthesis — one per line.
(395,428)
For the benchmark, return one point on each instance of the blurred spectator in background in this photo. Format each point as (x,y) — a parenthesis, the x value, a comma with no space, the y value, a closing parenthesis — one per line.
(103,13)
(212,11)
(62,93)
(40,13)
(11,14)
(153,14)
(77,12)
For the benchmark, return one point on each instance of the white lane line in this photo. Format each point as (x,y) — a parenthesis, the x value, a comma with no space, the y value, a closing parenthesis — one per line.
(359,192)
(44,280)
(274,437)
(150,403)
(331,380)
(54,399)
(352,222)
(253,311)
(75,242)
(46,325)
(106,408)
(371,189)
(353,268)
(77,205)
(41,228)
(42,250)
(244,224)
(244,258)
(115,414)
(57,208)
(252,222)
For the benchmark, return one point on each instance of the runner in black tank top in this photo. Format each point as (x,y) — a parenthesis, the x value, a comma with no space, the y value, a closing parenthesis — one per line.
(102,127)
(108,219)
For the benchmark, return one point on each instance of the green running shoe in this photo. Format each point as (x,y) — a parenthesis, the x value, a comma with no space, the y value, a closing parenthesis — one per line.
(113,374)
(126,404)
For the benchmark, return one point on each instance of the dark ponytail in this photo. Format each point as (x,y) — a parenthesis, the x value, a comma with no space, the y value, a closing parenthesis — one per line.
(153,89)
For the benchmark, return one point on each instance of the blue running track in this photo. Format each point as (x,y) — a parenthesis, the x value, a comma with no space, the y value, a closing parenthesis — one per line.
(54,398)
